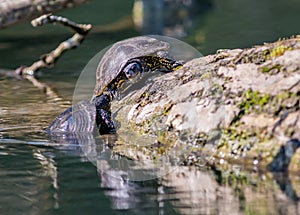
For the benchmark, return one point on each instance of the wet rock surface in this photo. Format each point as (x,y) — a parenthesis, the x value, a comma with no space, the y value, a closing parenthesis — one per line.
(236,106)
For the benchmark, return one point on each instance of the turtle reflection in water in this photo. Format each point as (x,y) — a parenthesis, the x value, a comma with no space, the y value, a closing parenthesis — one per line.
(124,62)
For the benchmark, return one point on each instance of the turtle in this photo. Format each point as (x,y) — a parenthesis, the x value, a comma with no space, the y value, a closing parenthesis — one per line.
(124,62)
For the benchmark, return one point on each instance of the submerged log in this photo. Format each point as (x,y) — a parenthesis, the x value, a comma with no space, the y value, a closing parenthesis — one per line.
(234,106)
(13,12)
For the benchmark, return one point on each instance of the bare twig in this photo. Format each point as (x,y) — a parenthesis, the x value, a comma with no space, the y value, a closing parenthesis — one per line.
(48,60)
(48,18)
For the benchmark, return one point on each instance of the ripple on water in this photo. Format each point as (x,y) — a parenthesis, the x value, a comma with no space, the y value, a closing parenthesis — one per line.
(38,174)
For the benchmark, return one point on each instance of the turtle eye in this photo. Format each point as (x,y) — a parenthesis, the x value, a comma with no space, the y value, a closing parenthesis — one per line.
(132,70)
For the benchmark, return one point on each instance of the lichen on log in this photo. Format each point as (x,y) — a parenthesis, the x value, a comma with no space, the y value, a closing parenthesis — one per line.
(234,106)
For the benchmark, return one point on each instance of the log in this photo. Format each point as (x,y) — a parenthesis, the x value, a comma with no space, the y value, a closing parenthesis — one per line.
(13,12)
(235,106)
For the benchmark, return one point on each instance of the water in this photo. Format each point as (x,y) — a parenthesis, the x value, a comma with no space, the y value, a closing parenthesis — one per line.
(39,175)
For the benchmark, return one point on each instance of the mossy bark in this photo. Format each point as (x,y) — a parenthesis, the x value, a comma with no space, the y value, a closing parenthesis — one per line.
(234,106)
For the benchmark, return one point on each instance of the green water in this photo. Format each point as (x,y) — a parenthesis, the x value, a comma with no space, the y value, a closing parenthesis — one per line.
(39,177)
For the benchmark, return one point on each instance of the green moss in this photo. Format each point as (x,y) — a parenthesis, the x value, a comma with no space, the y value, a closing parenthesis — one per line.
(286,95)
(276,51)
(253,100)
(275,67)
(279,50)
(283,101)
(239,139)
(235,140)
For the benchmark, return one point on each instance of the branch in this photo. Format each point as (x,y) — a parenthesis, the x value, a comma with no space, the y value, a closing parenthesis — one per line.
(48,60)
(48,18)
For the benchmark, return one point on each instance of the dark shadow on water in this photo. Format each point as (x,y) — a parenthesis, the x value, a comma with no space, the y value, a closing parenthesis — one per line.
(283,158)
(280,167)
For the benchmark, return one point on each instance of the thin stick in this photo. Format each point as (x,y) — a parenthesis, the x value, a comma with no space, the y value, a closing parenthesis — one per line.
(48,18)
(48,60)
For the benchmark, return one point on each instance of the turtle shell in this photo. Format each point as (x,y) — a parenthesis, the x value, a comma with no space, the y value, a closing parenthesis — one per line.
(120,53)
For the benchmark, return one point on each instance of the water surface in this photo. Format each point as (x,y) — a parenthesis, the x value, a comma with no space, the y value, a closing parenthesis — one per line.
(43,175)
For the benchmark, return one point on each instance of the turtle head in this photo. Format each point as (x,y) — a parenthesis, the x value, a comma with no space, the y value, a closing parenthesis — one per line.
(134,69)
(137,66)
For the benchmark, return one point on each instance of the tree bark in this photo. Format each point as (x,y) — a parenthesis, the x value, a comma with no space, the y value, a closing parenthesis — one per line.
(237,105)
(15,11)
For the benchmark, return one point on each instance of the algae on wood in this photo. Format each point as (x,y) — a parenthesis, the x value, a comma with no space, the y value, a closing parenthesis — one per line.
(232,105)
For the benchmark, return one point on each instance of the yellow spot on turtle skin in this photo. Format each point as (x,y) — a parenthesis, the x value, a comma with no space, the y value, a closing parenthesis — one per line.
(151,63)
(155,63)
